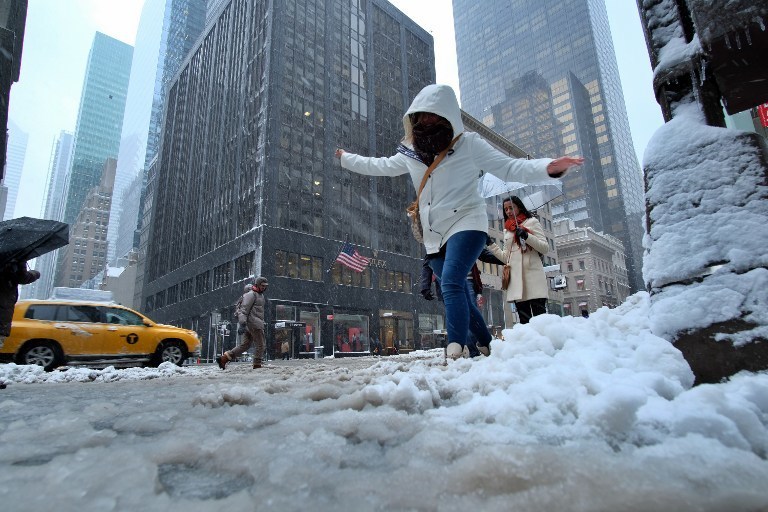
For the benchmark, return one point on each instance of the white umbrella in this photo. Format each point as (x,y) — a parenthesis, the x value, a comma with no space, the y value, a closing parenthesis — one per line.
(533,195)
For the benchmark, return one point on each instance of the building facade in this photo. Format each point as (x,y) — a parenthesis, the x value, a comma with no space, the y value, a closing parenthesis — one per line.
(246,182)
(99,119)
(594,266)
(13,18)
(86,254)
(14,166)
(557,91)
(53,208)
(167,31)
(754,119)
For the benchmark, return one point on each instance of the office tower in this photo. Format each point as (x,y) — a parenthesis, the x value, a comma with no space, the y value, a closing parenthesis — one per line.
(213,9)
(53,209)
(167,30)
(99,119)
(13,18)
(86,254)
(247,184)
(548,66)
(14,166)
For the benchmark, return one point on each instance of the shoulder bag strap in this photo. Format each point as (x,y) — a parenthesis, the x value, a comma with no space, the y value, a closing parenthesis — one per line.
(436,161)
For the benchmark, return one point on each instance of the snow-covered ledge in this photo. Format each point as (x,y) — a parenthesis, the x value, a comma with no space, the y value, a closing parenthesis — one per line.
(706,262)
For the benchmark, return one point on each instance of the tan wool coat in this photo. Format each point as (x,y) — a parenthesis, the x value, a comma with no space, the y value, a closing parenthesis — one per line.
(528,280)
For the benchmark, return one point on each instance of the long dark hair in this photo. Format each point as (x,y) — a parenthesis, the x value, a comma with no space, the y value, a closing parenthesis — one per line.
(520,207)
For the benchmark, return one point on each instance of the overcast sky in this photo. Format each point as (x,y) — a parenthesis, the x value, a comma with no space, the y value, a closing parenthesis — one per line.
(59,35)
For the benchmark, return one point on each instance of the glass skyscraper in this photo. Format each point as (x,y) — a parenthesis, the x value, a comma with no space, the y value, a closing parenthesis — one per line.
(167,30)
(53,209)
(100,118)
(247,184)
(543,73)
(14,166)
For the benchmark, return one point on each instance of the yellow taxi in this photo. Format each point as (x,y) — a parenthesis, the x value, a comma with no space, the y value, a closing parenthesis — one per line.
(52,333)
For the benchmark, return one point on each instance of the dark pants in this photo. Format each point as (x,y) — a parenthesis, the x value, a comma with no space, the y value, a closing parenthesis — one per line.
(527,309)
(252,336)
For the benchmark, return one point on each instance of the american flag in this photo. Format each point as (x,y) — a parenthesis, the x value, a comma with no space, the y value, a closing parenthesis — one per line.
(349,257)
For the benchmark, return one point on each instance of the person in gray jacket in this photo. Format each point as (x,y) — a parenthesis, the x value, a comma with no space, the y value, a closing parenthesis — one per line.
(451,209)
(250,325)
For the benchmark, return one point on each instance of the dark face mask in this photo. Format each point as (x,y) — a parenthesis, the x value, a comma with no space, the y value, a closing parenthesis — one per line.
(431,139)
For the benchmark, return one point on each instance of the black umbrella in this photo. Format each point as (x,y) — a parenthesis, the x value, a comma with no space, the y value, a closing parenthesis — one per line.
(26,238)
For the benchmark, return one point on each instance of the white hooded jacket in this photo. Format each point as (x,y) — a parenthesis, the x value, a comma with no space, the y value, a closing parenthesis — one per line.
(450,201)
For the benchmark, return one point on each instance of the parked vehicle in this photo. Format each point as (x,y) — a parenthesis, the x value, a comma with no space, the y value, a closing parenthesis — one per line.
(52,333)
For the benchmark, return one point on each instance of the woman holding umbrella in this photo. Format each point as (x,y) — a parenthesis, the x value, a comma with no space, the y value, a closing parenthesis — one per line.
(524,243)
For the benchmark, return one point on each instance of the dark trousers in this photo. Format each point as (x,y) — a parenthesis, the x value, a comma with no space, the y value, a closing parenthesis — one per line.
(527,309)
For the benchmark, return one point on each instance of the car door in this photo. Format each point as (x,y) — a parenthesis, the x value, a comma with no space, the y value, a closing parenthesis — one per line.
(80,329)
(126,333)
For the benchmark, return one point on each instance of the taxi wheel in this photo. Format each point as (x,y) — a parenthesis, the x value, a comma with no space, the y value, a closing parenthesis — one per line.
(172,351)
(41,353)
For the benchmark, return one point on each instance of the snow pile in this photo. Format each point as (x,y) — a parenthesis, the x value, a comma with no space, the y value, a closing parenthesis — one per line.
(709,223)
(711,23)
(566,414)
(32,374)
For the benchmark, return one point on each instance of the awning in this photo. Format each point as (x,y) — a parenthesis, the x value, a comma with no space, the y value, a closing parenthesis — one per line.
(567,306)
(579,281)
(582,304)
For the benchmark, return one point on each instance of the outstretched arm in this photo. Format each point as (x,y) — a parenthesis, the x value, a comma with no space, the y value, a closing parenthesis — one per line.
(559,166)
(27,276)
(388,166)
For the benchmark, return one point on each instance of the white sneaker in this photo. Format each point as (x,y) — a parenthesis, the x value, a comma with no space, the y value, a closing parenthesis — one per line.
(453,351)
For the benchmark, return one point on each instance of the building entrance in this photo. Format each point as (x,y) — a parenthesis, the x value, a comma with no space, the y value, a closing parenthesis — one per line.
(292,332)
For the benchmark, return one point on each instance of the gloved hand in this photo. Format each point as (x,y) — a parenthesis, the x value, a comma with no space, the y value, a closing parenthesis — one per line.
(241,329)
(488,240)
(521,233)
(427,294)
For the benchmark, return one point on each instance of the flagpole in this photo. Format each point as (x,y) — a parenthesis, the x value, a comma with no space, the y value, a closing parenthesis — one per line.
(346,240)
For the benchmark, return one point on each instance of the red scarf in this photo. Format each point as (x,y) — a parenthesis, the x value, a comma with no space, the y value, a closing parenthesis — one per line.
(510,226)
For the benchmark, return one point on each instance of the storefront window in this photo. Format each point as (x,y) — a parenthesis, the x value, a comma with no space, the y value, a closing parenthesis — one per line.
(311,334)
(283,312)
(431,331)
(396,331)
(350,334)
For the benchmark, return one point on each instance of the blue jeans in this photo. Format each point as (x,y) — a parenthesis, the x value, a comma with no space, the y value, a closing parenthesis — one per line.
(451,269)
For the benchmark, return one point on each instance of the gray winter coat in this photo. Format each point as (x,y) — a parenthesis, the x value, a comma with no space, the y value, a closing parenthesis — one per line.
(252,310)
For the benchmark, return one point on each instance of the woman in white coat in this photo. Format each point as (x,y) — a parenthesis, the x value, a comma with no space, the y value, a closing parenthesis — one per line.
(452,212)
(524,243)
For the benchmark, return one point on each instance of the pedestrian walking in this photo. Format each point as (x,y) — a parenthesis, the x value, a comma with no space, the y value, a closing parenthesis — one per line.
(11,276)
(524,245)
(452,213)
(285,349)
(250,325)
